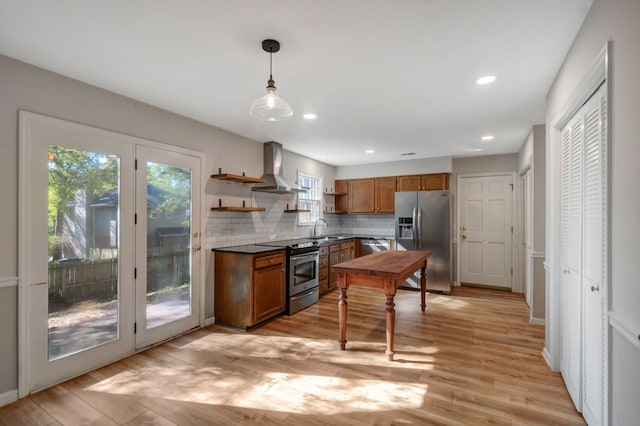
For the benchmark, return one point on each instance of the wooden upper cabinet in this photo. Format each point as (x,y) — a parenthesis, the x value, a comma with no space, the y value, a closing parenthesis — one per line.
(342,200)
(430,182)
(385,194)
(409,183)
(362,196)
(434,182)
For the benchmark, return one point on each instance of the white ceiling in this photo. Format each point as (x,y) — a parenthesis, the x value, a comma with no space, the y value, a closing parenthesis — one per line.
(395,76)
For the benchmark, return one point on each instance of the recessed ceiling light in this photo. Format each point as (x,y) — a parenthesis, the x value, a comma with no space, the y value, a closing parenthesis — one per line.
(369,151)
(487,138)
(408,153)
(309,116)
(474,149)
(486,79)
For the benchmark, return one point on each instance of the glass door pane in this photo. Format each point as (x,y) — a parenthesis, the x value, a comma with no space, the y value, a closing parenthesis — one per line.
(84,208)
(167,244)
(168,295)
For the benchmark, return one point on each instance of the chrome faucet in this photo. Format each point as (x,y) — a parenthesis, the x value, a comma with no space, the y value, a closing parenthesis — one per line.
(315,226)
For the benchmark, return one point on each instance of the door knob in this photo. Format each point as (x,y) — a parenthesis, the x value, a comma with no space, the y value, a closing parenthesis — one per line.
(596,288)
(464,236)
(464,228)
(196,248)
(566,271)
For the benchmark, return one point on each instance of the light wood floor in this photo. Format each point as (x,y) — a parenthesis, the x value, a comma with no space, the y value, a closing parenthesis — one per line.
(472,358)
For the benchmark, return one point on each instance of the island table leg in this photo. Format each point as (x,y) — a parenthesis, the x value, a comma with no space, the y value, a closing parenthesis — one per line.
(342,309)
(423,286)
(390,314)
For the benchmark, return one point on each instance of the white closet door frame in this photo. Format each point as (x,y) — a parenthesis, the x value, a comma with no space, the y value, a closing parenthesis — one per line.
(594,76)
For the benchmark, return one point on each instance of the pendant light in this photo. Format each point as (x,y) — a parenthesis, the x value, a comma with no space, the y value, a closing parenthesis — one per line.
(271,107)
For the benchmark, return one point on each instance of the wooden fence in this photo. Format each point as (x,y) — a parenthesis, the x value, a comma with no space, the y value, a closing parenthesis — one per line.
(89,280)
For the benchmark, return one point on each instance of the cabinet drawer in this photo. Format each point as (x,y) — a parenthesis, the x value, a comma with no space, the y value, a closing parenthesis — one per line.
(323,262)
(334,247)
(323,286)
(323,251)
(264,261)
(346,245)
(323,274)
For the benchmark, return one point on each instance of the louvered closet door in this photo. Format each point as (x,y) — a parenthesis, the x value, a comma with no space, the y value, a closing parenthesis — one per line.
(571,257)
(583,252)
(594,257)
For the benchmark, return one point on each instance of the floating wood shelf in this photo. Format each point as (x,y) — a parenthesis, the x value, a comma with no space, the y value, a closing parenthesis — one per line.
(237,178)
(296,211)
(238,209)
(335,193)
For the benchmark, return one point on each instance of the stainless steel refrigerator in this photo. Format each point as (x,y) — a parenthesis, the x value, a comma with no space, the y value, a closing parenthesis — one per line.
(422,222)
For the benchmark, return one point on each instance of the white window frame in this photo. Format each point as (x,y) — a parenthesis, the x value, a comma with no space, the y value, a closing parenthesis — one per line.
(308,180)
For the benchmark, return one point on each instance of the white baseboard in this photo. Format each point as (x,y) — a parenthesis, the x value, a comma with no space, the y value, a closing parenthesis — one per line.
(209,321)
(536,321)
(8,397)
(456,284)
(547,358)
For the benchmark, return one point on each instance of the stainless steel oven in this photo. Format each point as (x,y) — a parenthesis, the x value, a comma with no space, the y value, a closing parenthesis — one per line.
(303,280)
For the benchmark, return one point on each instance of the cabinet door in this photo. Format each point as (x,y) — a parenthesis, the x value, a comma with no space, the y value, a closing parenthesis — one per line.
(385,194)
(409,183)
(268,292)
(362,196)
(435,182)
(334,258)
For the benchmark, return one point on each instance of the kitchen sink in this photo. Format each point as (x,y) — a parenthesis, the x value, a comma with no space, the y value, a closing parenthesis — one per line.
(328,238)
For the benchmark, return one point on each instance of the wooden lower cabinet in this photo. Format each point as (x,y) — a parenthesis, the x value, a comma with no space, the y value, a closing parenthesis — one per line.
(339,252)
(249,288)
(323,269)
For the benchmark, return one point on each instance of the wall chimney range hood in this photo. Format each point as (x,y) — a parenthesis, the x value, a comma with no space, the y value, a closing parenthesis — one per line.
(275,182)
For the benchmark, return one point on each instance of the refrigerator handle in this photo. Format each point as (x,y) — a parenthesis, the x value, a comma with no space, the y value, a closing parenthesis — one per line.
(419,226)
(414,228)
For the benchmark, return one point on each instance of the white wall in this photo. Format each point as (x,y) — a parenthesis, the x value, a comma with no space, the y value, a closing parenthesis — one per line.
(615,20)
(396,168)
(23,86)
(532,155)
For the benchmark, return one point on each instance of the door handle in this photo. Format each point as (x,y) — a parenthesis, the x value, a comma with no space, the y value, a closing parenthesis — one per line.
(566,271)
(596,288)
(196,248)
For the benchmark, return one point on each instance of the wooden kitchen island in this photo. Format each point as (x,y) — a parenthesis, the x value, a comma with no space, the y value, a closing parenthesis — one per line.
(384,270)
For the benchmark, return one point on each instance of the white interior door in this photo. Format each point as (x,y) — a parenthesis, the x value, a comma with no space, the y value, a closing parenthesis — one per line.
(486,230)
(571,256)
(594,259)
(167,244)
(78,209)
(584,258)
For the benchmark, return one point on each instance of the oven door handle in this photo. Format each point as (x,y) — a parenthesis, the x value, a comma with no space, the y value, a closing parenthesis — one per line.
(297,257)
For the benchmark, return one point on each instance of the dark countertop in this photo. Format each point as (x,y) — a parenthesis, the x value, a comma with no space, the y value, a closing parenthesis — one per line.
(248,249)
(256,249)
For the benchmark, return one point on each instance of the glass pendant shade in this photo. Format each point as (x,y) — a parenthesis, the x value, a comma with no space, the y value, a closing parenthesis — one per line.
(271,107)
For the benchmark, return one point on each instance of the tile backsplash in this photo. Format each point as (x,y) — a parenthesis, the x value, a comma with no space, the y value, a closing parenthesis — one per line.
(224,229)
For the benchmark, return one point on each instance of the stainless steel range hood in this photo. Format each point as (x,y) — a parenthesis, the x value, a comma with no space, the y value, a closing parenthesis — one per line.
(275,182)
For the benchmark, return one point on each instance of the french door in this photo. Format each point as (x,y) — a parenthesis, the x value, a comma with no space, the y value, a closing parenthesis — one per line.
(167,244)
(108,261)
